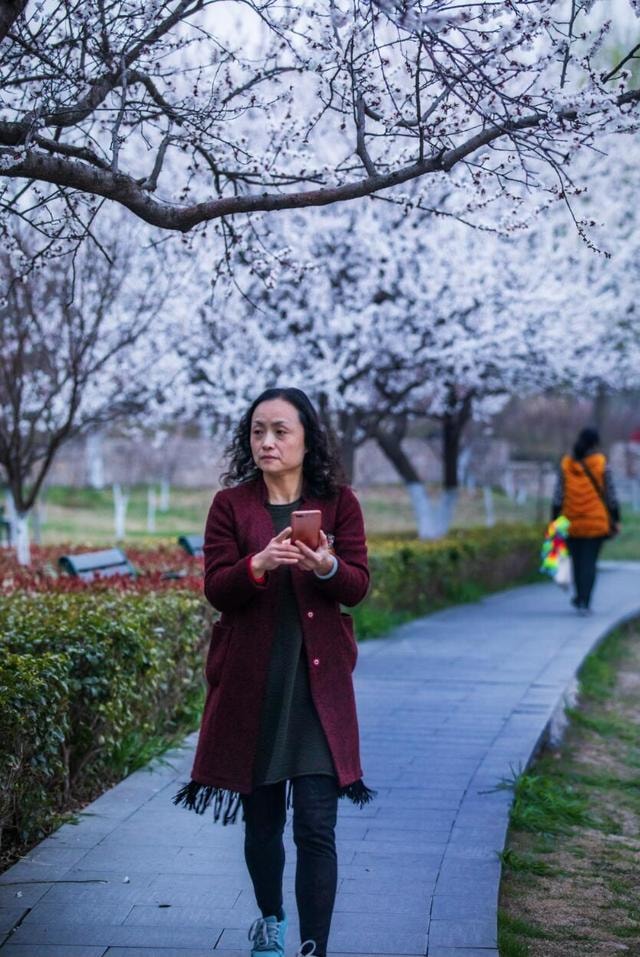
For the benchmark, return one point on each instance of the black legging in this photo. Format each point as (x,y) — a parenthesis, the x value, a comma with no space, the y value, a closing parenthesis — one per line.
(315,809)
(584,555)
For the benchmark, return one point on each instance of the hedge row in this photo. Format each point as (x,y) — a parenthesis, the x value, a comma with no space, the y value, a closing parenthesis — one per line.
(92,681)
(412,578)
(86,682)
(420,575)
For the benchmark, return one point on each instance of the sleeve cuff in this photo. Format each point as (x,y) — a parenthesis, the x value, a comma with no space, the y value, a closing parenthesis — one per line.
(258,581)
(331,573)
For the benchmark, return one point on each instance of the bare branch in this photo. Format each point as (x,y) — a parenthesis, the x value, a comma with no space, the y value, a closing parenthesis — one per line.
(631,55)
(126,191)
(151,183)
(362,147)
(115,133)
(266,126)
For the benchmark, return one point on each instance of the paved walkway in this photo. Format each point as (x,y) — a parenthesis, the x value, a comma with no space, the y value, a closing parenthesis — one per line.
(449,705)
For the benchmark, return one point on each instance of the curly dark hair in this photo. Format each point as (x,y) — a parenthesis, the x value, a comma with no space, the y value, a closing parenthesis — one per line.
(322,469)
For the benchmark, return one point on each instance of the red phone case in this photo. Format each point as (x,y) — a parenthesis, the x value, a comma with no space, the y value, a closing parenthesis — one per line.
(305,527)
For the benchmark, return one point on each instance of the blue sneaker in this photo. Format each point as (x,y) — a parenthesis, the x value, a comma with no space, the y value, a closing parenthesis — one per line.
(267,936)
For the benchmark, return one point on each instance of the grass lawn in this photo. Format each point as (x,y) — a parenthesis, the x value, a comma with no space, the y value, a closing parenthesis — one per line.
(86,516)
(570,879)
(627,544)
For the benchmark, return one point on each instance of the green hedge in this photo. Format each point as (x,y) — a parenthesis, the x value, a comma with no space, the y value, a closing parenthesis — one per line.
(34,706)
(93,684)
(88,682)
(412,578)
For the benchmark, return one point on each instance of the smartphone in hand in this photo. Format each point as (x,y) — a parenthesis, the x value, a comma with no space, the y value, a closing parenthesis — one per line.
(305,528)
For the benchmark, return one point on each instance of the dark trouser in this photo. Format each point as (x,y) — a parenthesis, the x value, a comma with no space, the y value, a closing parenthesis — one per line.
(584,555)
(315,810)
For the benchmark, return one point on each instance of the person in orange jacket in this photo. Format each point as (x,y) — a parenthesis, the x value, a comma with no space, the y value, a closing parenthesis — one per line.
(585,493)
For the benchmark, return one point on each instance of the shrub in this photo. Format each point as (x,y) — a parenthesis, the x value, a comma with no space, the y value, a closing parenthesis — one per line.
(34,697)
(412,577)
(123,668)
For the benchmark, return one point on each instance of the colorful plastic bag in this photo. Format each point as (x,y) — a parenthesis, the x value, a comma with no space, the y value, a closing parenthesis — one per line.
(554,554)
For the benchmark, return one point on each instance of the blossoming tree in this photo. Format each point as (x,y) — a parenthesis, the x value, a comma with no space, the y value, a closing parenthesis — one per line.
(84,341)
(386,317)
(188,111)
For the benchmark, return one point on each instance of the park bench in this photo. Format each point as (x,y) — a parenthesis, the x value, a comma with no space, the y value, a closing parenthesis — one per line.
(89,565)
(104,564)
(192,544)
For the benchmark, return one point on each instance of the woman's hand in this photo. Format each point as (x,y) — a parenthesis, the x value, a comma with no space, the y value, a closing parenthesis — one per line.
(279,551)
(319,561)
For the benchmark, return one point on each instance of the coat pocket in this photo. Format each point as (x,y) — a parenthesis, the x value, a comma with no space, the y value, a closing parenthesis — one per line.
(218,647)
(351,645)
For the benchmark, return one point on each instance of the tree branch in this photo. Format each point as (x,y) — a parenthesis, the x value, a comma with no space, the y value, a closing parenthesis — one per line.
(151,183)
(361,148)
(130,193)
(630,56)
(100,88)
(77,152)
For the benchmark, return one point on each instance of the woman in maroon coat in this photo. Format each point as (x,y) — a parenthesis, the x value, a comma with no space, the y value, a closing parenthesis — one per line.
(280,705)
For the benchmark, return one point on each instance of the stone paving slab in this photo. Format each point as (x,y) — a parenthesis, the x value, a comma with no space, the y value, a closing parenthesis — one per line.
(450,706)
(46,950)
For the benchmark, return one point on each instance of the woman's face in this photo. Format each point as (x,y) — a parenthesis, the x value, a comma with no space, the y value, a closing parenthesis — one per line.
(277,438)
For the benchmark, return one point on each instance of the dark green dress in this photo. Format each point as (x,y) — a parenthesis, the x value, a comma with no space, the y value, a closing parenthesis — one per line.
(291,741)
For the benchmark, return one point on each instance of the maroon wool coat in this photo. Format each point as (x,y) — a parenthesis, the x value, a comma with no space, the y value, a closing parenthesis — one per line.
(238,526)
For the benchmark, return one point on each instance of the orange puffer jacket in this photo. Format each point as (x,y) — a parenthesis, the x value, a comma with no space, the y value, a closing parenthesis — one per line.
(581,503)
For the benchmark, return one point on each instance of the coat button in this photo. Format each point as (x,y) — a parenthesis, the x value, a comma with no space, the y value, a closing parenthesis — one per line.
(309,614)
(316,662)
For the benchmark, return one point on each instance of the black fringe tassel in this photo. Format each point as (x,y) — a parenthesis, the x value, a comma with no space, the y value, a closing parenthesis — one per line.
(358,792)
(228,804)
(197,797)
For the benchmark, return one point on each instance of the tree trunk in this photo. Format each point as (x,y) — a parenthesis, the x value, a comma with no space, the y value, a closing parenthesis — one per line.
(20,536)
(18,529)
(348,454)
(508,484)
(450,450)
(446,509)
(489,511)
(347,429)
(94,456)
(120,502)
(165,495)
(453,423)
(464,460)
(426,520)
(151,509)
(10,515)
